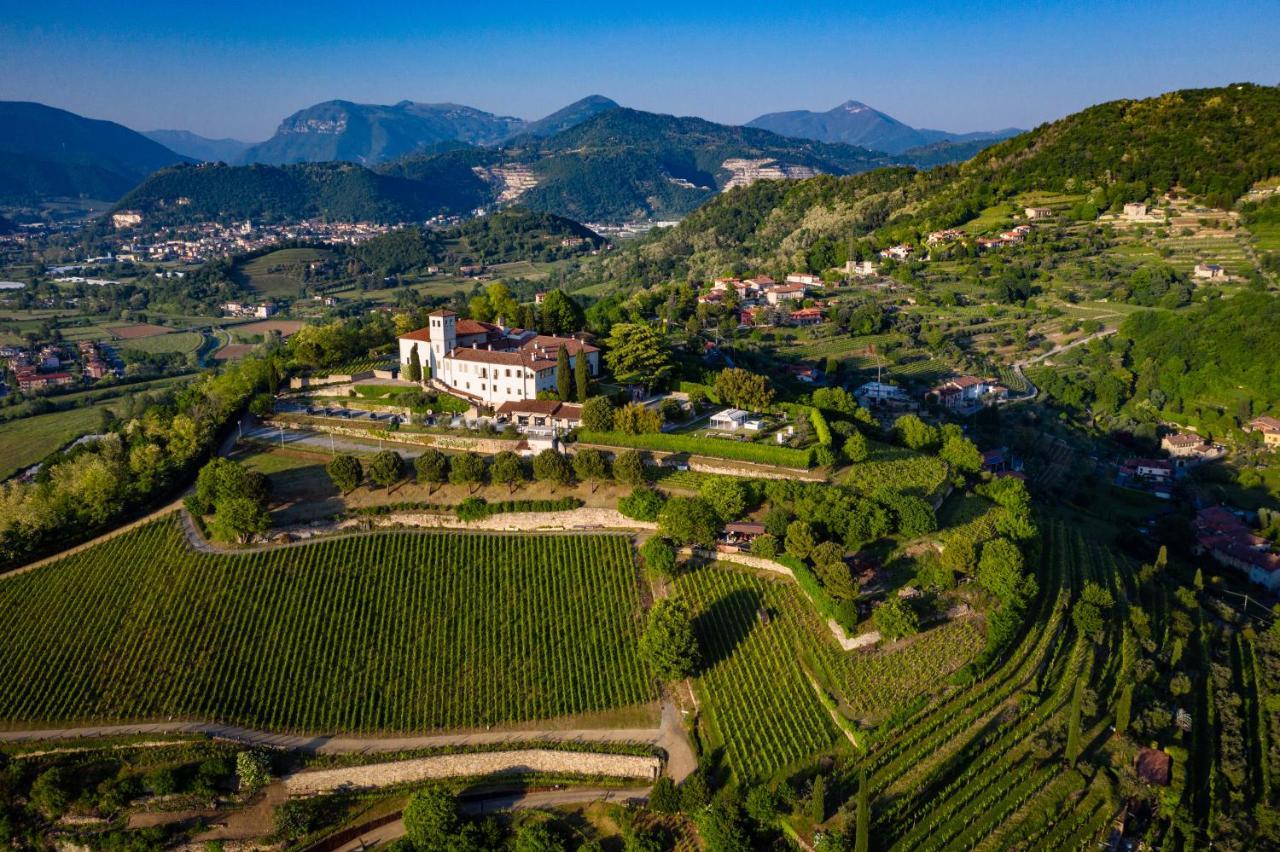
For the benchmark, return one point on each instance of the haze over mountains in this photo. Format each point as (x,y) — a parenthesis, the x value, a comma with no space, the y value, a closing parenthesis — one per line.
(592,160)
(855,123)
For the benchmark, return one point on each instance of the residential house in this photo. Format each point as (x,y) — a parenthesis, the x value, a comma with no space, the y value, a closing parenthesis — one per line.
(1222,535)
(542,413)
(487,363)
(949,235)
(1269,427)
(898,252)
(1135,210)
(966,391)
(1157,471)
(805,316)
(804,373)
(859,268)
(779,293)
(1209,272)
(1038,212)
(1189,448)
(739,535)
(879,393)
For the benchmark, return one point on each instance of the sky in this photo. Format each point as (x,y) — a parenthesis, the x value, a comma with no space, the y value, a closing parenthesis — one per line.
(236,69)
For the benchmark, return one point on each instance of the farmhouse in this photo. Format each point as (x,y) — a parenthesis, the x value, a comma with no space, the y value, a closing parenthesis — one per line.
(542,413)
(488,363)
(1229,541)
(784,293)
(898,252)
(805,316)
(1135,210)
(1189,448)
(1209,272)
(1038,212)
(966,391)
(1269,427)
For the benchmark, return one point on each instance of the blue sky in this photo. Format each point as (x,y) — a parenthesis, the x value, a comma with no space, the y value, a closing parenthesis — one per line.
(236,69)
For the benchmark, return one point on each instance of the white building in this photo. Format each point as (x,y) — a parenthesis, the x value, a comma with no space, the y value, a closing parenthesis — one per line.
(490,364)
(879,392)
(859,268)
(1209,272)
(730,420)
(784,293)
(805,279)
(1135,210)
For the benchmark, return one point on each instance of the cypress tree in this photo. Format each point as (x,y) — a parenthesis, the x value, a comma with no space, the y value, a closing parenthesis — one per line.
(862,839)
(582,378)
(414,371)
(1073,723)
(562,374)
(1123,708)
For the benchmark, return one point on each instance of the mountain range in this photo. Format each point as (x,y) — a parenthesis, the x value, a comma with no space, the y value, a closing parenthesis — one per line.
(592,160)
(855,123)
(47,152)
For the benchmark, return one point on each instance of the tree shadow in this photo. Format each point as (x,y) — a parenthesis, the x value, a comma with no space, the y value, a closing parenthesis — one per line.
(723,625)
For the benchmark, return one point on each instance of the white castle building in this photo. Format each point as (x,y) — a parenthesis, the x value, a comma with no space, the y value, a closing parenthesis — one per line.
(487,363)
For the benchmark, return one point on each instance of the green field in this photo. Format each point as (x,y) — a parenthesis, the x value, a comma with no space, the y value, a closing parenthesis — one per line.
(26,441)
(900,469)
(177,341)
(279,274)
(392,632)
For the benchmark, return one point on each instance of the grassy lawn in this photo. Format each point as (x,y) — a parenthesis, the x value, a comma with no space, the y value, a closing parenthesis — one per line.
(25,441)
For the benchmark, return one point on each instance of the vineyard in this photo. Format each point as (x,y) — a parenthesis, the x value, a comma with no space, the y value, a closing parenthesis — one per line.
(900,469)
(983,768)
(389,632)
(757,685)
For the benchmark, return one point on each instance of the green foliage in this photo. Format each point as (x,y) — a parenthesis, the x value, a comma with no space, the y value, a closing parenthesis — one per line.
(467,469)
(597,414)
(629,468)
(727,496)
(638,354)
(962,454)
(767,454)
(1074,723)
(765,545)
(413,372)
(862,834)
(659,558)
(895,619)
(637,419)
(253,770)
(1088,612)
(551,466)
(386,468)
(689,520)
(914,434)
(668,642)
(800,541)
(560,314)
(589,465)
(743,389)
(431,817)
(431,466)
(854,448)
(581,378)
(507,469)
(664,797)
(564,378)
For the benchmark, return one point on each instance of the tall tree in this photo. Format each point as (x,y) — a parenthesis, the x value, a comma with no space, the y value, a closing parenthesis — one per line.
(467,469)
(743,389)
(414,371)
(589,466)
(432,467)
(559,314)
(507,469)
(638,355)
(550,466)
(387,468)
(564,385)
(668,641)
(582,376)
(345,472)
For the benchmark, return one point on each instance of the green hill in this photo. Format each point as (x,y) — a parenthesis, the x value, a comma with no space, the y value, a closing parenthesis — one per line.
(339,191)
(47,152)
(1213,143)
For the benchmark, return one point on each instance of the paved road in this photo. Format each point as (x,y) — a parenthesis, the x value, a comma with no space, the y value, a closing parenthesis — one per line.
(1057,350)
(385,834)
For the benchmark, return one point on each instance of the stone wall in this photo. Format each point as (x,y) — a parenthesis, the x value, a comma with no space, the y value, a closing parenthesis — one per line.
(472,765)
(488,446)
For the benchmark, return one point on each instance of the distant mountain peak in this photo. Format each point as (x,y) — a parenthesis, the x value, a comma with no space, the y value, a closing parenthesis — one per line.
(855,123)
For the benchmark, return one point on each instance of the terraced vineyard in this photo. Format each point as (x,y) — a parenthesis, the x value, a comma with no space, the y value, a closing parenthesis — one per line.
(391,632)
(897,468)
(979,769)
(757,687)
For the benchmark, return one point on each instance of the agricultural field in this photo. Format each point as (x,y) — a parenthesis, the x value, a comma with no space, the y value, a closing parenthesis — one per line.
(898,468)
(281,273)
(759,680)
(392,632)
(263,327)
(136,331)
(27,440)
(178,341)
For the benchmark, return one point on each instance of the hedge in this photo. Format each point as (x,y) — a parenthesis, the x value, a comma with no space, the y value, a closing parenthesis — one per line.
(475,508)
(820,427)
(716,447)
(827,606)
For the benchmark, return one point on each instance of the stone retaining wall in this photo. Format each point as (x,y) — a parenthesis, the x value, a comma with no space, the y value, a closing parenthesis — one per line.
(472,765)
(488,446)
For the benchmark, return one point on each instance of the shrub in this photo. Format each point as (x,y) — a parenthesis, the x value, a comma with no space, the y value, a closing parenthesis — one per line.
(689,520)
(659,557)
(642,504)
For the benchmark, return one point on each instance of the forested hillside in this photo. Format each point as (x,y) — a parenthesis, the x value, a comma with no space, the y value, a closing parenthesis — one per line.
(339,191)
(1213,143)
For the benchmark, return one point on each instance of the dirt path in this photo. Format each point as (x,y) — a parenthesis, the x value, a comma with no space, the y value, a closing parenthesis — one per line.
(1058,350)
(669,736)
